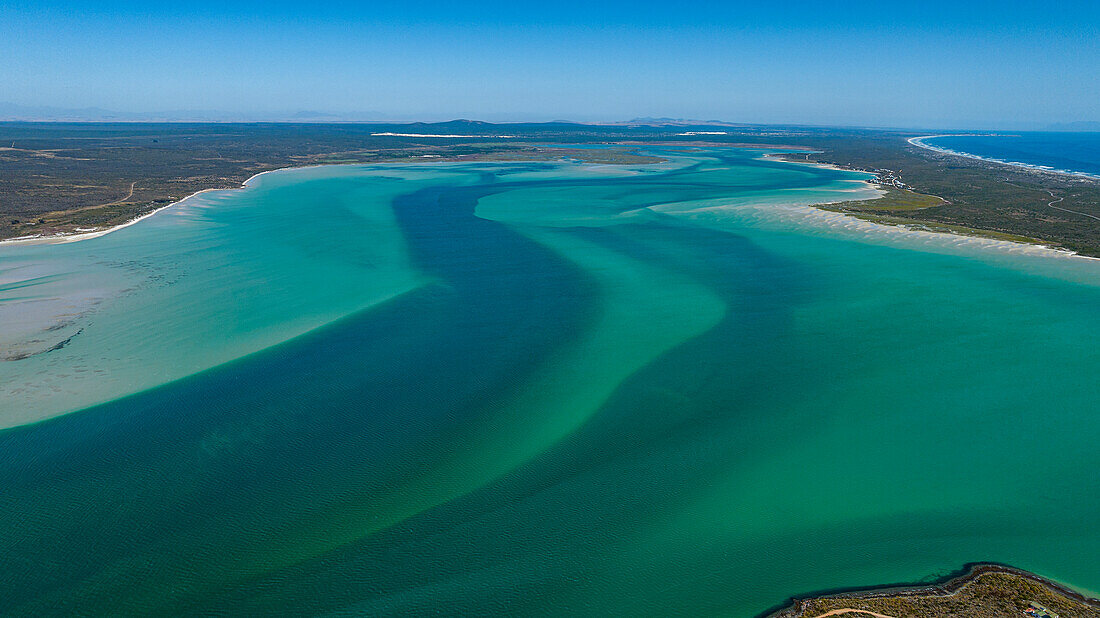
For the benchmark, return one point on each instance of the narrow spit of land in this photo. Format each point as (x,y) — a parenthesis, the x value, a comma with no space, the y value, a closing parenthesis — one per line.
(982,591)
(950,193)
(848,610)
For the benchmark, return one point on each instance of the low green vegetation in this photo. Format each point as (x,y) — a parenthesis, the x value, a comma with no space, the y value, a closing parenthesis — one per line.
(893,200)
(985,592)
(59,178)
(996,199)
(897,207)
(62,178)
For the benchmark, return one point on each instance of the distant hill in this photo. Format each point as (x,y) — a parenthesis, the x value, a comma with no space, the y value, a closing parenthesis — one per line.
(10,112)
(674,122)
(461,123)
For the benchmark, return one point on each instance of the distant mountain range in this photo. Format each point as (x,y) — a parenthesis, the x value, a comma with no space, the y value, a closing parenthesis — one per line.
(14,112)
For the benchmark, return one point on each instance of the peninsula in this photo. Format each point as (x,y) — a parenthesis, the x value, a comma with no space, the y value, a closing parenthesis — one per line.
(980,591)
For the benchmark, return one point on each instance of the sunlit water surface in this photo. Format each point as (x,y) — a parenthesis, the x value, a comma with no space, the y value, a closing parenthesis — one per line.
(536,388)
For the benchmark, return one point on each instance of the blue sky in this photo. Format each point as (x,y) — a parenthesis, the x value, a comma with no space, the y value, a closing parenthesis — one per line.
(921,64)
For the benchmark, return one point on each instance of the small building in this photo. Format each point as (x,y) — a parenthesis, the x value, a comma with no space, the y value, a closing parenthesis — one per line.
(1037,610)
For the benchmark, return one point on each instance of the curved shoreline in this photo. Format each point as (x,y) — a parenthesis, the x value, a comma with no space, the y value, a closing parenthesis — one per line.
(58,239)
(917,227)
(919,143)
(769,156)
(943,587)
(64,238)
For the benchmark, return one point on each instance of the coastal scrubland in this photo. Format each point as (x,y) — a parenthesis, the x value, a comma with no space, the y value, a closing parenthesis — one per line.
(984,591)
(58,178)
(63,178)
(969,195)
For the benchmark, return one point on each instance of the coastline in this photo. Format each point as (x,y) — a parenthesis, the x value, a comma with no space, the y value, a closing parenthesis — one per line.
(919,143)
(916,227)
(946,586)
(821,207)
(64,238)
(60,239)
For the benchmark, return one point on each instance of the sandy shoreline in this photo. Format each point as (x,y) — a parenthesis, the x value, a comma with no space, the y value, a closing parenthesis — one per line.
(888,229)
(919,143)
(949,241)
(58,239)
(64,238)
(917,228)
(779,156)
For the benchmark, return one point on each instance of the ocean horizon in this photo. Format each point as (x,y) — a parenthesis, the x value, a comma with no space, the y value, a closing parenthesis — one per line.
(1066,152)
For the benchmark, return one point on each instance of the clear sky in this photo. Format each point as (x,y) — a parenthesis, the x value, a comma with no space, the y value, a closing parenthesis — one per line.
(926,63)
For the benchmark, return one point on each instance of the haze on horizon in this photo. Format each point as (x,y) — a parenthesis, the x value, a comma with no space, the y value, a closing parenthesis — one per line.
(934,64)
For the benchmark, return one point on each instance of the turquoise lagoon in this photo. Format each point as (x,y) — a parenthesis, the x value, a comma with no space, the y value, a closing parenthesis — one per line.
(537,388)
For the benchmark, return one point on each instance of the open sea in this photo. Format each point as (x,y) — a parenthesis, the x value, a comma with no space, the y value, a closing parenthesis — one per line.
(1077,153)
(537,388)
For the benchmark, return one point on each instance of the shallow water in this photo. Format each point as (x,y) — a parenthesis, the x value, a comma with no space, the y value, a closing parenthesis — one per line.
(537,388)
